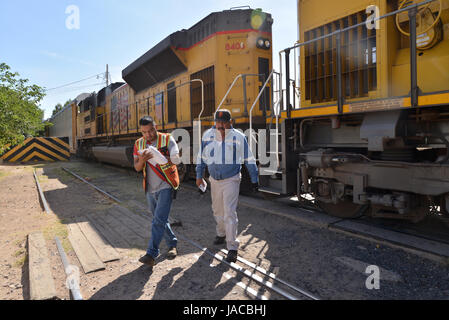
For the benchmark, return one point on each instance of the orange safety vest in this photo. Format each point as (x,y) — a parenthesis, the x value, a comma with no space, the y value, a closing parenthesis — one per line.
(167,172)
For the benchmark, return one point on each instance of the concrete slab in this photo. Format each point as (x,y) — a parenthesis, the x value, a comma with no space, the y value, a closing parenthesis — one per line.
(398,238)
(281,208)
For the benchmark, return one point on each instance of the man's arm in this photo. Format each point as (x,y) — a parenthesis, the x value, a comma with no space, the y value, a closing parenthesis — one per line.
(139,160)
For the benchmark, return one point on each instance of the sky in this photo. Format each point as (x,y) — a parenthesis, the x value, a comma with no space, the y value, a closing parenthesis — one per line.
(42,41)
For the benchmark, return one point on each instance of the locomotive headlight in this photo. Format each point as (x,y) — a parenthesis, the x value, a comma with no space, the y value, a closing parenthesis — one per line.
(263,43)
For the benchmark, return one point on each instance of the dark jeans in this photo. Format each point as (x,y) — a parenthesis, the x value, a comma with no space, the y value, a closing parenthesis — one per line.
(160,204)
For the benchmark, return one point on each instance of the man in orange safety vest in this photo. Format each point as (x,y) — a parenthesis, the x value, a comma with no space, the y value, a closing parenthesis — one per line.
(159,183)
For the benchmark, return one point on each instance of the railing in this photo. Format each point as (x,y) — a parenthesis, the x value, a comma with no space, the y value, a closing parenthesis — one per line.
(252,107)
(102,117)
(243,76)
(414,89)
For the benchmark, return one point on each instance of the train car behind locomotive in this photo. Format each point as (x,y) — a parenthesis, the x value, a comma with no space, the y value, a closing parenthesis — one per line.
(370,134)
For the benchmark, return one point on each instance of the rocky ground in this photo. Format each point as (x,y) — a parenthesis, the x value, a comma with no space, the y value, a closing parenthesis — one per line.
(328,264)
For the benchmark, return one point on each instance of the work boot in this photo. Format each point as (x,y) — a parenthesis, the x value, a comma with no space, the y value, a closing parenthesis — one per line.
(147,259)
(232,256)
(219,240)
(172,253)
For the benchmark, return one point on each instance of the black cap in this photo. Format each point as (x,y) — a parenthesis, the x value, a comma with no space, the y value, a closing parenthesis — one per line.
(223,115)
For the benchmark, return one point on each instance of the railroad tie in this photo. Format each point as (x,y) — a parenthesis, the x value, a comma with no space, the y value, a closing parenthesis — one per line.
(87,256)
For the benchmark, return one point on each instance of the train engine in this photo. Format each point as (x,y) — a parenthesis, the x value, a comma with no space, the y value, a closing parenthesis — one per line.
(369,131)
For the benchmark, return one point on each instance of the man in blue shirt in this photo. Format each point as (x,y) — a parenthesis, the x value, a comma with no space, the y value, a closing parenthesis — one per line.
(223,151)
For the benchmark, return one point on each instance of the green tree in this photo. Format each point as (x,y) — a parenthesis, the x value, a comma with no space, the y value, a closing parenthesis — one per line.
(57,108)
(67,103)
(20,116)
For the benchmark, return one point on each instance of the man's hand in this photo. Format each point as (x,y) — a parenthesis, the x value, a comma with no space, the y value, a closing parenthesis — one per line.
(199,182)
(201,185)
(140,161)
(146,155)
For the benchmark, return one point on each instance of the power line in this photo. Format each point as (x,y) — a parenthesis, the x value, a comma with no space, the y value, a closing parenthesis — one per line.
(75,82)
(76,88)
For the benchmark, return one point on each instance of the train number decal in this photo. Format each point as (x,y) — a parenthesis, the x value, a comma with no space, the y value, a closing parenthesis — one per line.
(235,46)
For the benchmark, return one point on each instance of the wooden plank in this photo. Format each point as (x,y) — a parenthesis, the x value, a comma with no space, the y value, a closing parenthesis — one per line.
(86,254)
(124,217)
(134,239)
(100,245)
(42,286)
(139,218)
(144,209)
(113,237)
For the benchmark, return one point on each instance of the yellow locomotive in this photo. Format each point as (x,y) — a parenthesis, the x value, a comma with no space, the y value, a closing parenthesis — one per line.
(183,77)
(365,126)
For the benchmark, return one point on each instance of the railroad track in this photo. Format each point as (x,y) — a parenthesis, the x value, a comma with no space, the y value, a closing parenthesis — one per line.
(248,269)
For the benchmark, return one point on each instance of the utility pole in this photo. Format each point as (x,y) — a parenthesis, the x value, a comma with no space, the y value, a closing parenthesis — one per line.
(107,75)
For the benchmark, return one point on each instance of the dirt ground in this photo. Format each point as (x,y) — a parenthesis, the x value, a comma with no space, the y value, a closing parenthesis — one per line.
(317,260)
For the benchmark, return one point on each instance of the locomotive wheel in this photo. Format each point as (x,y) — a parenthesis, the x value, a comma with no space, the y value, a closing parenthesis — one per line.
(419,214)
(343,209)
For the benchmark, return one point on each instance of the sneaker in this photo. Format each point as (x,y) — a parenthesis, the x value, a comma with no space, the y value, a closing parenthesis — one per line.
(147,259)
(219,240)
(232,256)
(172,253)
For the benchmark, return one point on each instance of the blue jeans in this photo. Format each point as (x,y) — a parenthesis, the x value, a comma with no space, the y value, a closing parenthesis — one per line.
(159,204)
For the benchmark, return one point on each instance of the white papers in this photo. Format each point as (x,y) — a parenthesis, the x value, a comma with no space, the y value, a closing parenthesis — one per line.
(158,158)
(203,186)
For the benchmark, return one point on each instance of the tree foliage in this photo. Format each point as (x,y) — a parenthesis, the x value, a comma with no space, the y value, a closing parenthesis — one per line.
(20,116)
(57,108)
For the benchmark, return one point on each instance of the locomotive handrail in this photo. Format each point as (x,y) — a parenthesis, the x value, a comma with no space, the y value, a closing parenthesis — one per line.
(251,110)
(244,75)
(229,90)
(152,96)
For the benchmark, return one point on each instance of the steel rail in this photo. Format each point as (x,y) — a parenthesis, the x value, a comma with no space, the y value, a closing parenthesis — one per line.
(73,285)
(273,276)
(238,268)
(242,285)
(109,195)
(92,185)
(41,194)
(234,266)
